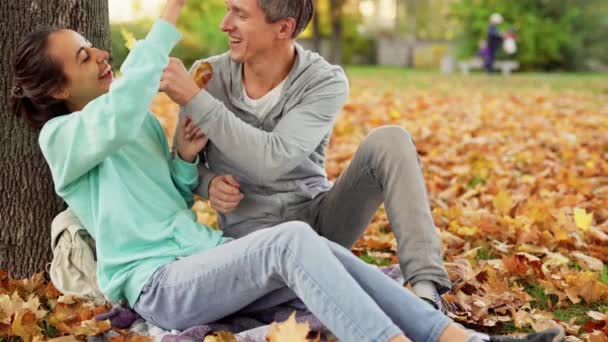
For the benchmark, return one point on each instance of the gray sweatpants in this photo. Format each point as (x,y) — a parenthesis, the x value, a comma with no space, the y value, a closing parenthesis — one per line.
(386,169)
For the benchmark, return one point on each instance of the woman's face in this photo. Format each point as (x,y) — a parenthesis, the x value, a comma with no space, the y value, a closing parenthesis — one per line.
(87,69)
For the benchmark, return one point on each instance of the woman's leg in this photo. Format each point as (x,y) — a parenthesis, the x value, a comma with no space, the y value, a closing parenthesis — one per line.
(208,286)
(416,318)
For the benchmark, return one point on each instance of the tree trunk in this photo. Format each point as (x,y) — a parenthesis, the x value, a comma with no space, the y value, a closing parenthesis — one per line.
(335,8)
(28,202)
(411,31)
(316,29)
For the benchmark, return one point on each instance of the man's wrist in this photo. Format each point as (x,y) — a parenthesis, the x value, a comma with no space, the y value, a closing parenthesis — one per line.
(186,158)
(189,95)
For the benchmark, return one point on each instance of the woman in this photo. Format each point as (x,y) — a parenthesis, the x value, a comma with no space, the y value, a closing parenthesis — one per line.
(110,162)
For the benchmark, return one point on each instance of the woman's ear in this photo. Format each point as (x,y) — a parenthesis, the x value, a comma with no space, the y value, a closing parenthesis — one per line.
(60,94)
(286,28)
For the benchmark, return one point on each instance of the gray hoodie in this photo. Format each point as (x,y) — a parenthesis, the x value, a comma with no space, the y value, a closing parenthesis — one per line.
(279,161)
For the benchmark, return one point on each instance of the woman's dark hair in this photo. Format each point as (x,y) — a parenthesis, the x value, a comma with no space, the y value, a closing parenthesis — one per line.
(35,77)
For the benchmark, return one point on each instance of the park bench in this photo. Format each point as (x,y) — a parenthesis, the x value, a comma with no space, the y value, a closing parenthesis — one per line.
(505,66)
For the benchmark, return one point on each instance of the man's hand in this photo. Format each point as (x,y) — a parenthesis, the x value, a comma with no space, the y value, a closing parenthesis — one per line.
(190,140)
(177,83)
(224,193)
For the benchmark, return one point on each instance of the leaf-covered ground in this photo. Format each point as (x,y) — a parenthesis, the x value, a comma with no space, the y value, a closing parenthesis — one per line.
(517,172)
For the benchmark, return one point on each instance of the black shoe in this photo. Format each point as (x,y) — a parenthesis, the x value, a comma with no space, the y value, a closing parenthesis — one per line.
(550,335)
(437,302)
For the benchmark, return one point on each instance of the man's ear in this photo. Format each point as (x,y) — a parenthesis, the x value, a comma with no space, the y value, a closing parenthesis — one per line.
(287,26)
(60,94)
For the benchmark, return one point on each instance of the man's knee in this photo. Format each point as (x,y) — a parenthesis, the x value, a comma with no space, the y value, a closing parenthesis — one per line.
(389,140)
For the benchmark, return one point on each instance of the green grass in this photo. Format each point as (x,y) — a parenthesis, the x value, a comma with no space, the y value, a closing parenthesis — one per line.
(485,254)
(547,302)
(374,261)
(604,274)
(579,311)
(542,300)
(397,80)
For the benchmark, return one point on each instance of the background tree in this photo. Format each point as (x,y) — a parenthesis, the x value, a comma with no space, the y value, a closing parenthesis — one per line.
(557,34)
(335,15)
(28,203)
(200,27)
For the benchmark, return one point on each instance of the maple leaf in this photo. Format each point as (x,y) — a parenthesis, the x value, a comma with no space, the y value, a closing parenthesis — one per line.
(583,219)
(289,330)
(522,263)
(502,202)
(128,37)
(585,285)
(25,325)
(590,263)
(131,338)
(59,339)
(6,309)
(221,336)
(92,327)
(598,316)
(203,74)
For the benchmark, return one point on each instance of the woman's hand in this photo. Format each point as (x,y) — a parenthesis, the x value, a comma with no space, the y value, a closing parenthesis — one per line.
(172,10)
(190,140)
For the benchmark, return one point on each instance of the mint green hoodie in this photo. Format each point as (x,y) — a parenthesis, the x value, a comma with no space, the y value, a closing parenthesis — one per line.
(111,164)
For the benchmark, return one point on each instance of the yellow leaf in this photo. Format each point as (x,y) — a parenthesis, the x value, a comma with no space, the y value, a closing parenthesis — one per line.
(502,202)
(63,339)
(395,114)
(582,219)
(289,330)
(25,325)
(462,231)
(6,309)
(221,336)
(128,37)
(203,74)
(91,327)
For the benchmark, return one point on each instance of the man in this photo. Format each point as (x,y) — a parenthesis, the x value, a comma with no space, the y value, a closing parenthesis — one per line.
(494,41)
(268,112)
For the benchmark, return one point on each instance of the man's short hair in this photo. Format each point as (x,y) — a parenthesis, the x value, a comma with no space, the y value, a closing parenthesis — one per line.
(300,10)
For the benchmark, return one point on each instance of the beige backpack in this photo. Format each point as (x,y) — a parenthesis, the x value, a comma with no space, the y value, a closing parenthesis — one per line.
(73,269)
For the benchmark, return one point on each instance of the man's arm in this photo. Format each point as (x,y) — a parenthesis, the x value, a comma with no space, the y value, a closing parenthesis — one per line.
(266,156)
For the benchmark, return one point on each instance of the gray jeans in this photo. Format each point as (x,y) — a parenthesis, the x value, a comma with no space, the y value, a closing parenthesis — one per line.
(385,168)
(356,301)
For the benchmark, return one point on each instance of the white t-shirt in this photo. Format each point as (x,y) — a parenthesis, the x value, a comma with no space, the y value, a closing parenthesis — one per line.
(260,107)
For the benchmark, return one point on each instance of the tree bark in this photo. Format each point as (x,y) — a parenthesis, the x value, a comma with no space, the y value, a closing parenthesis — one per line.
(316,29)
(335,8)
(28,202)
(411,6)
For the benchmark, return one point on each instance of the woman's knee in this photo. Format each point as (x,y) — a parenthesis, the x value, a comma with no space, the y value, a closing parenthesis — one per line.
(295,234)
(299,230)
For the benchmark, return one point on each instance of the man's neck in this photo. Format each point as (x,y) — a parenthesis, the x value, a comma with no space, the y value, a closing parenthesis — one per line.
(263,74)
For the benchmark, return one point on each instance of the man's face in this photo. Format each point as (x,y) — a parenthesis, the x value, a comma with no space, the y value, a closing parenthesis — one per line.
(250,35)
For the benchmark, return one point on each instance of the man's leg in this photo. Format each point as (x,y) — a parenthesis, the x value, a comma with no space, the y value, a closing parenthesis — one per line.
(386,168)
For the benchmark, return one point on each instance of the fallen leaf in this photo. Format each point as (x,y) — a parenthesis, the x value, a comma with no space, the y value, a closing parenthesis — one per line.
(221,336)
(289,330)
(583,219)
